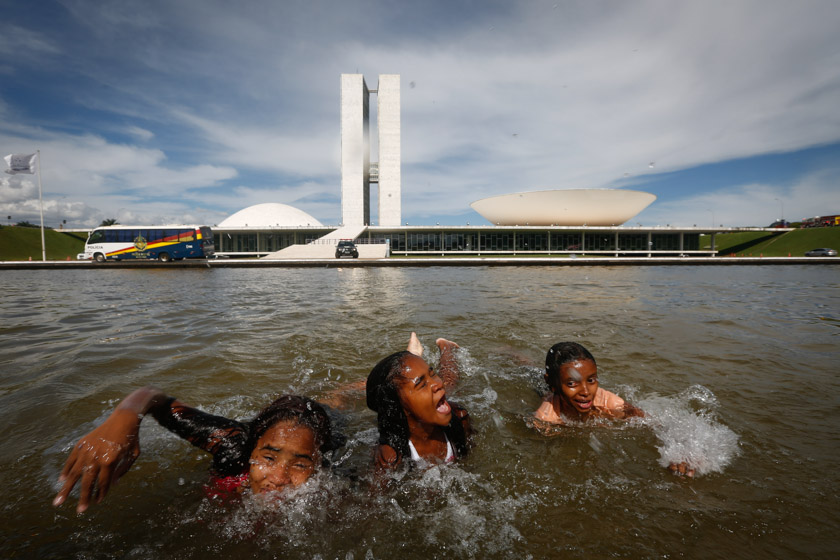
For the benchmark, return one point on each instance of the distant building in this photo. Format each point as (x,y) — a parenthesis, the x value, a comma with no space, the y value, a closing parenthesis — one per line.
(550,222)
(357,169)
(572,207)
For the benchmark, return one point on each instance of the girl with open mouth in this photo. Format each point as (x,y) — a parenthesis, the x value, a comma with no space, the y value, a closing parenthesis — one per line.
(574,393)
(414,416)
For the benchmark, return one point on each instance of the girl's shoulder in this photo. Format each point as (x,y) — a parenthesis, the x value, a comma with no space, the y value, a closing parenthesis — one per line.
(608,401)
(546,413)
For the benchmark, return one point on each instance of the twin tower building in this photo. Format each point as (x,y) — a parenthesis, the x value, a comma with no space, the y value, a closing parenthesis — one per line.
(357,169)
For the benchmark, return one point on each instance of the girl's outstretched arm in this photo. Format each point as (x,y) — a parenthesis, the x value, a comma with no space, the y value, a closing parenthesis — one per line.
(448,366)
(101,457)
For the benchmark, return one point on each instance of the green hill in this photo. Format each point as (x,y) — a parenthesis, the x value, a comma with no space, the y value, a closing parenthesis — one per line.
(20,243)
(794,243)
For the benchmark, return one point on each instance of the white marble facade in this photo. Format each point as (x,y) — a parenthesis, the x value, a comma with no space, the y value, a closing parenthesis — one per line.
(355,150)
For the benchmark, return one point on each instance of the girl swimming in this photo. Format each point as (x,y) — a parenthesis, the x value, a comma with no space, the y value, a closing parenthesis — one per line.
(281,447)
(414,417)
(575,394)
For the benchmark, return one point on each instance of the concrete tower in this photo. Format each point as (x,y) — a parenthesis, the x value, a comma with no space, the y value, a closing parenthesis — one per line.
(388,125)
(357,171)
(355,151)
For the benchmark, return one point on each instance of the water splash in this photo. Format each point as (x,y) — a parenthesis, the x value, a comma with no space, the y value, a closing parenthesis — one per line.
(689,431)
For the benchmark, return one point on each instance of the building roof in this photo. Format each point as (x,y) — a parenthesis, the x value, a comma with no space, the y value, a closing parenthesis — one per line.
(270,214)
(572,207)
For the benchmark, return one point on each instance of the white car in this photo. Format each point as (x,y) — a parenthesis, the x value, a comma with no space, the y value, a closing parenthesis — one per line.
(825,252)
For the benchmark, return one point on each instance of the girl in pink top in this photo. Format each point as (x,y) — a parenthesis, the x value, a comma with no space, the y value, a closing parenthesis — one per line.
(572,377)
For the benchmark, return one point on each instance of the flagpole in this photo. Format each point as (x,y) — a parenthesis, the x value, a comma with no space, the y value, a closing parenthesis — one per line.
(41,202)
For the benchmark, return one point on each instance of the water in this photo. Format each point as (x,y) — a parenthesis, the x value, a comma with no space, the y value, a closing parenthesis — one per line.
(736,368)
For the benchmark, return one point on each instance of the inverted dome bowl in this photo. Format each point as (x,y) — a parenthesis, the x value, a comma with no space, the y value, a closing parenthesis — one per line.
(572,207)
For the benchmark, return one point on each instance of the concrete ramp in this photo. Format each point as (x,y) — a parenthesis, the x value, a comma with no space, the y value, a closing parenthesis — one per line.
(327,251)
(344,232)
(324,247)
(308,251)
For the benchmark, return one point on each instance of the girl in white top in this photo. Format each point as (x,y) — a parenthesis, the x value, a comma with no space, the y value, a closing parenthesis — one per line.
(414,417)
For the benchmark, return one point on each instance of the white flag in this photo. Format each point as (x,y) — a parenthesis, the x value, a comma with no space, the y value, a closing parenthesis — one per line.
(20,163)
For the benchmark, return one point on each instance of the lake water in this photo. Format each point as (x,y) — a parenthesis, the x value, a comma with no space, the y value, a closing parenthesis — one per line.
(736,367)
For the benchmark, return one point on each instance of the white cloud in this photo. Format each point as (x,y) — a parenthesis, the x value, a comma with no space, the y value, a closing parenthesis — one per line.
(506,97)
(751,204)
(140,133)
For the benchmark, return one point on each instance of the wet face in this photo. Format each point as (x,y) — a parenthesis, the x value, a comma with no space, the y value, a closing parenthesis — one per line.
(285,456)
(422,394)
(577,386)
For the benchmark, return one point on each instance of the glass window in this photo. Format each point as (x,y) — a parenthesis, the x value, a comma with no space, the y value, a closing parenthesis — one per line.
(98,236)
(691,241)
(531,241)
(459,241)
(600,242)
(562,241)
(665,241)
(245,242)
(632,242)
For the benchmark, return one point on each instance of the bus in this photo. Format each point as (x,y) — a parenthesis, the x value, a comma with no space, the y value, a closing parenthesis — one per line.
(163,243)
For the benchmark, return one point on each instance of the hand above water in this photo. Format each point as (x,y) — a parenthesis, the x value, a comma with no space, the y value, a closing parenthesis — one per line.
(100,458)
(681,469)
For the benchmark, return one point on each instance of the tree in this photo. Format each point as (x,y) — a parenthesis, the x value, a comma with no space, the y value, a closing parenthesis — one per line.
(109,222)
(25,224)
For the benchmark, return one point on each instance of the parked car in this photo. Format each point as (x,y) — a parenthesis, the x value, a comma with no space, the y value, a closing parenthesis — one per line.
(825,252)
(346,247)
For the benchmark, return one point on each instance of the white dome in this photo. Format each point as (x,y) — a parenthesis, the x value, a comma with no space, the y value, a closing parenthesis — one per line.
(270,214)
(572,207)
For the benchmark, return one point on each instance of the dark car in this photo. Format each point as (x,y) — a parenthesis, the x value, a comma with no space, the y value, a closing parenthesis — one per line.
(825,252)
(346,248)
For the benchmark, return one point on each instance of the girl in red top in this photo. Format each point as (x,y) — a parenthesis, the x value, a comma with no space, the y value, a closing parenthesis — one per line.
(281,447)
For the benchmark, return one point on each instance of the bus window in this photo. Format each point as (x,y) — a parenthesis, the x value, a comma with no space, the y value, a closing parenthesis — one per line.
(207,236)
(98,236)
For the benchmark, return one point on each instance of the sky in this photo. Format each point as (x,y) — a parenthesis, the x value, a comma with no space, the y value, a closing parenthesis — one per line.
(186,111)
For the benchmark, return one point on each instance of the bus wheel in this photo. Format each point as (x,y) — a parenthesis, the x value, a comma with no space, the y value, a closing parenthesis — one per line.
(99,257)
(164,257)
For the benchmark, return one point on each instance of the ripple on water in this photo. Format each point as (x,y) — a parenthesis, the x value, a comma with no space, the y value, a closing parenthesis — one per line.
(715,362)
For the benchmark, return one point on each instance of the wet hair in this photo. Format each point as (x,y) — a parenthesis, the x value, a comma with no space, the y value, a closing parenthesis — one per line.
(563,353)
(305,412)
(382,395)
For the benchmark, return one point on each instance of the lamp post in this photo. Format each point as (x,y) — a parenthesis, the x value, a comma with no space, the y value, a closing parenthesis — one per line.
(781,209)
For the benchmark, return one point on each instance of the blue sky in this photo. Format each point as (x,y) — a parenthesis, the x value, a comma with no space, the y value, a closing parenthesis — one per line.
(189,110)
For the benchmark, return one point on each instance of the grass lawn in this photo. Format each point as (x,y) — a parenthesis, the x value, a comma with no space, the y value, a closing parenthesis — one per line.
(794,243)
(20,243)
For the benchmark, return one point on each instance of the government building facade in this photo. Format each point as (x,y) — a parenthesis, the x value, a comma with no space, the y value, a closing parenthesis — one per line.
(548,222)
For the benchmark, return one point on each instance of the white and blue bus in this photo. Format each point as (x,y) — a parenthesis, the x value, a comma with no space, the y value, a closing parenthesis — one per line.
(163,243)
